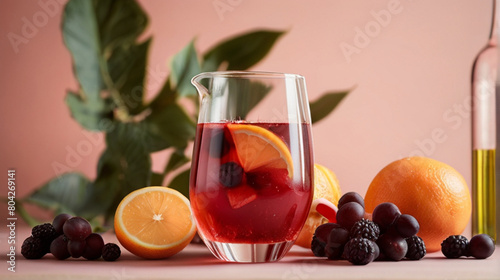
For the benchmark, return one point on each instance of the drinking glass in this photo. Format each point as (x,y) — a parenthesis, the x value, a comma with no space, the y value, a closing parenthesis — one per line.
(251,181)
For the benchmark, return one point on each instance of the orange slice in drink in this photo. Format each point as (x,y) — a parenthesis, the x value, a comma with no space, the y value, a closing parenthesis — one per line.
(154,222)
(258,147)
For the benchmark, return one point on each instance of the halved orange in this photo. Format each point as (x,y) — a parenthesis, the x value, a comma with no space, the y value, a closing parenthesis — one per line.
(154,222)
(258,147)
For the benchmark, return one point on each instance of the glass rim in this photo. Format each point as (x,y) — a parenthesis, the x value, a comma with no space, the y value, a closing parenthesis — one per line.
(248,74)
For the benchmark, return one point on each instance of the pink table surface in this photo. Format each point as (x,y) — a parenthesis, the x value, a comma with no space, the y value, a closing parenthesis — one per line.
(196,262)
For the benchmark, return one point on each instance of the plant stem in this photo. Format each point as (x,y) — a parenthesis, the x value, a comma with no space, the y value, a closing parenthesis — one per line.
(122,112)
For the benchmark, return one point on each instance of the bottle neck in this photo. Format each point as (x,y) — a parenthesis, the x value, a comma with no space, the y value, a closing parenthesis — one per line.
(494,25)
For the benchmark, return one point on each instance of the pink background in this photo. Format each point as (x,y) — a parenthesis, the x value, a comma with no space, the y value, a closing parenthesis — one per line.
(411,79)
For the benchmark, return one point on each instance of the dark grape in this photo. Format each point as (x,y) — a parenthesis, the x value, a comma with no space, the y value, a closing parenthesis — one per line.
(77,228)
(320,238)
(93,248)
(322,232)
(230,174)
(393,246)
(377,251)
(218,144)
(59,221)
(349,214)
(481,246)
(59,248)
(385,214)
(76,248)
(407,225)
(337,239)
(351,197)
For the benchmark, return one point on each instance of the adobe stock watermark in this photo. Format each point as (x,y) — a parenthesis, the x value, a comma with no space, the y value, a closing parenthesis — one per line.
(363,36)
(222,7)
(455,117)
(84,147)
(31,26)
(304,270)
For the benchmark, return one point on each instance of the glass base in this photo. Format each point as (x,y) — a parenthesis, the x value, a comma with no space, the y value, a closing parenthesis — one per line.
(249,253)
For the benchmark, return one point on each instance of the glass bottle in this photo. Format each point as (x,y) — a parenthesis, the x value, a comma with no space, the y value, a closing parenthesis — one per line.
(484,80)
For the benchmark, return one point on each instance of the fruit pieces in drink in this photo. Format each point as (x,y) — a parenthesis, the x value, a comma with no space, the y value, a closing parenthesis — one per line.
(265,203)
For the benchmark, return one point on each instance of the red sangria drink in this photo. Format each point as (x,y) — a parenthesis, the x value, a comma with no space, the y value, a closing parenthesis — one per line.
(251,186)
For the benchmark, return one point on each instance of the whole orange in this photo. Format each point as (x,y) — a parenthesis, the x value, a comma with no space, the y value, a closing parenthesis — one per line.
(431,191)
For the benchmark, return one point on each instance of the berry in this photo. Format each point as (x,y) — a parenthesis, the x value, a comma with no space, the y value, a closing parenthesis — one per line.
(59,221)
(318,247)
(111,252)
(385,214)
(322,232)
(77,228)
(349,214)
(76,248)
(481,246)
(392,246)
(320,238)
(59,248)
(218,146)
(337,239)
(407,225)
(33,248)
(455,246)
(366,229)
(416,248)
(93,248)
(351,197)
(230,174)
(359,251)
(45,232)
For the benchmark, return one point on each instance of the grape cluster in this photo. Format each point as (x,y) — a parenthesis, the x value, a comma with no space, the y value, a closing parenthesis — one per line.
(66,237)
(480,246)
(390,235)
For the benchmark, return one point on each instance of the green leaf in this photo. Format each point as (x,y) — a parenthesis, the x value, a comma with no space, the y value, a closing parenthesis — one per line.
(181,183)
(91,113)
(184,66)
(324,105)
(91,31)
(164,98)
(170,127)
(127,69)
(157,179)
(177,159)
(120,21)
(242,51)
(123,167)
(67,192)
(81,36)
(249,94)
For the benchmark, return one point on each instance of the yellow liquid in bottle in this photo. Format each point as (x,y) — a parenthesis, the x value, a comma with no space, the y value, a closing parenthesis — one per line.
(483,193)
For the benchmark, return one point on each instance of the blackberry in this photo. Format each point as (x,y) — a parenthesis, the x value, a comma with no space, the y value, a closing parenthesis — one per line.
(45,232)
(455,246)
(366,229)
(33,248)
(416,248)
(318,247)
(359,251)
(230,174)
(111,252)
